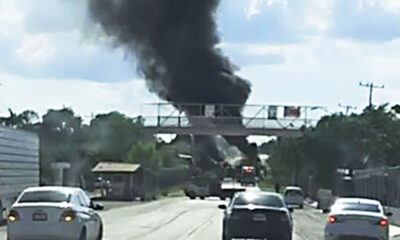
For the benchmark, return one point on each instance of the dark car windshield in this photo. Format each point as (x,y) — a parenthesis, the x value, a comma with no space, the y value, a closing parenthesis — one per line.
(45,196)
(356,207)
(258,199)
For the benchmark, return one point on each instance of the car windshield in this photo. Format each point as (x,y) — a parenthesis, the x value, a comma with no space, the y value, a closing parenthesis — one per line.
(258,199)
(44,197)
(364,207)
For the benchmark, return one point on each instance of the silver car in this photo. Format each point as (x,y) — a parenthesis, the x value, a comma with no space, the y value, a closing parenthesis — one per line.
(294,196)
(54,213)
(357,218)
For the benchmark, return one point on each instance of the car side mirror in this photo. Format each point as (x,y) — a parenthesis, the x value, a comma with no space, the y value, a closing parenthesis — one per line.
(325,211)
(222,206)
(389,214)
(97,206)
(291,209)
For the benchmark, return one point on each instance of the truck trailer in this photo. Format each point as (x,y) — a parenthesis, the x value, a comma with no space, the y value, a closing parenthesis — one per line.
(19,165)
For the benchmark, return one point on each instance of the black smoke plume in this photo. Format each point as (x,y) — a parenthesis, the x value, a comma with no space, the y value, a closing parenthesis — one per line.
(175,44)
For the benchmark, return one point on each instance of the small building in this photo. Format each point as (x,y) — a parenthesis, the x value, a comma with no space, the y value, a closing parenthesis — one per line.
(127,181)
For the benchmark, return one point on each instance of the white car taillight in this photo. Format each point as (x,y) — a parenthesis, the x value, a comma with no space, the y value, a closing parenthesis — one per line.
(13,216)
(68,215)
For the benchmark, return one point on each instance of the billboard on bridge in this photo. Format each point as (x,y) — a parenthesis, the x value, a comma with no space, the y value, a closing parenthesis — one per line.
(291,111)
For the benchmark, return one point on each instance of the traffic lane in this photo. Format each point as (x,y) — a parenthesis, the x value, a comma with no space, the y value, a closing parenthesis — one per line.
(3,234)
(176,219)
(180,218)
(310,224)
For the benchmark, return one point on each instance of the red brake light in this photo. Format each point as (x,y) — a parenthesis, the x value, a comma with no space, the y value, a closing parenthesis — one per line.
(331,219)
(13,216)
(383,222)
(68,215)
(248,169)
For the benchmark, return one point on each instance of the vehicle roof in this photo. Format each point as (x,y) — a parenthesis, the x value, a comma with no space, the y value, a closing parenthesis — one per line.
(358,200)
(68,190)
(259,193)
(293,188)
(114,167)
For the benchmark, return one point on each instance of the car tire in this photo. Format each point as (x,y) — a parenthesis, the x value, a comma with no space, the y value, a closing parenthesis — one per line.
(301,206)
(83,235)
(225,237)
(202,198)
(100,233)
(192,197)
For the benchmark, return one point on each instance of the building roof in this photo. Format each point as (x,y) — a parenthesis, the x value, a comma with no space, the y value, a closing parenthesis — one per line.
(114,167)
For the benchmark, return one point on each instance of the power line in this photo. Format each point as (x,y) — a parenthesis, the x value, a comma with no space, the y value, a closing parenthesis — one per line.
(371,87)
(348,108)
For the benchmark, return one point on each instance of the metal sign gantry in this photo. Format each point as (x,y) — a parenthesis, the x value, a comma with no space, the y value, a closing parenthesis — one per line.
(223,119)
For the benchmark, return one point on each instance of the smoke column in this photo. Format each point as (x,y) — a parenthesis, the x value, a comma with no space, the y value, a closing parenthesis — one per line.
(174,42)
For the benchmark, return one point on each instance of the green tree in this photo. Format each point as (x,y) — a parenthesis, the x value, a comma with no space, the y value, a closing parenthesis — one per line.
(62,139)
(110,136)
(25,120)
(146,155)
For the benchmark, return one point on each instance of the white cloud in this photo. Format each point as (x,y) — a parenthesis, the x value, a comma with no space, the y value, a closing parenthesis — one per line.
(36,49)
(392,6)
(84,97)
(318,15)
(323,71)
(252,9)
(255,6)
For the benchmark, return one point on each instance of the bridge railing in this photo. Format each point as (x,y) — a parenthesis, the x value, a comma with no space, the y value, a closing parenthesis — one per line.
(253,116)
(259,123)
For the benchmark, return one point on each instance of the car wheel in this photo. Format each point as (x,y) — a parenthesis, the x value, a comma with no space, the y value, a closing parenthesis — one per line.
(83,235)
(100,233)
(202,198)
(301,206)
(225,237)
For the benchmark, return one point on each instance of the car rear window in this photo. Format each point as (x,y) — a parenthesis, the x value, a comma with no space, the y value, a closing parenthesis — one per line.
(293,193)
(45,196)
(258,199)
(364,207)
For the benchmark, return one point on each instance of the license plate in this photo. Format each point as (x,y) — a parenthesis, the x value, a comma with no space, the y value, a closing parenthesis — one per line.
(39,217)
(259,218)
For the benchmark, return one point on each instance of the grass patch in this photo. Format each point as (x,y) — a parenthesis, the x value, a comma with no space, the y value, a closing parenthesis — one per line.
(267,186)
(176,191)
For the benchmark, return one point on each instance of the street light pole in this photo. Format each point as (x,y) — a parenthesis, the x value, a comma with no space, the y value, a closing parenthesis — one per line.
(348,108)
(371,87)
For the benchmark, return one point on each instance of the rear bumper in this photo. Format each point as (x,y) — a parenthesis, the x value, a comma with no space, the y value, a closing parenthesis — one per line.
(354,232)
(294,201)
(44,231)
(241,229)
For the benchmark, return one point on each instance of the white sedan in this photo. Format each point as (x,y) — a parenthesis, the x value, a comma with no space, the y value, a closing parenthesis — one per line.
(54,213)
(357,218)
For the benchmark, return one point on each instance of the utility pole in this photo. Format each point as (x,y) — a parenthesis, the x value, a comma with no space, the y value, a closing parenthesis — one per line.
(371,87)
(348,108)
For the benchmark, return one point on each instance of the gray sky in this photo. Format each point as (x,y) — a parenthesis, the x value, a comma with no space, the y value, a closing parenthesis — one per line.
(294,52)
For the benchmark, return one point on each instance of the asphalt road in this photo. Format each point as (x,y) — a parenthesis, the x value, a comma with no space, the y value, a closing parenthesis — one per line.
(181,218)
